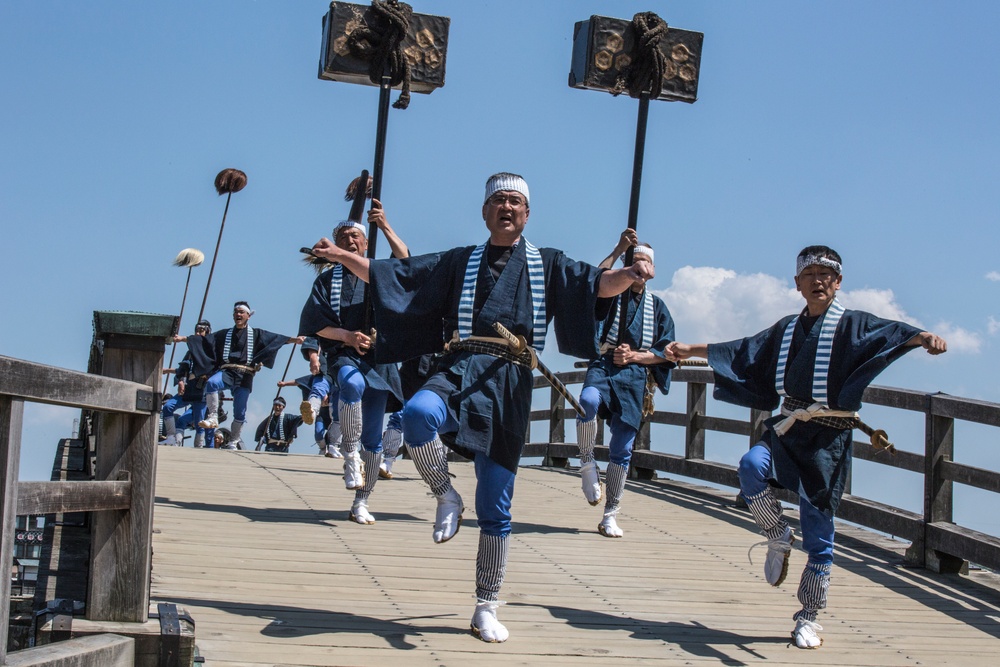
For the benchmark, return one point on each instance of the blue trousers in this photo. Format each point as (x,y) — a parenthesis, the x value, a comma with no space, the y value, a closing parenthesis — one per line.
(817,525)
(622,435)
(319,387)
(353,388)
(241,395)
(189,418)
(424,416)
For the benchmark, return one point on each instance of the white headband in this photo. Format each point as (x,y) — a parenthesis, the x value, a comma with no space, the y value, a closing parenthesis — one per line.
(244,308)
(505,181)
(809,260)
(349,224)
(643,250)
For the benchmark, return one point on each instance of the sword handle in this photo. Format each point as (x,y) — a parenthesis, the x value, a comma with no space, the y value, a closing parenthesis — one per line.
(516,342)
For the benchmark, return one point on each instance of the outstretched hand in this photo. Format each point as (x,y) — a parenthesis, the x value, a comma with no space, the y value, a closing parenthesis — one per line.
(677,351)
(326,249)
(933,343)
(642,271)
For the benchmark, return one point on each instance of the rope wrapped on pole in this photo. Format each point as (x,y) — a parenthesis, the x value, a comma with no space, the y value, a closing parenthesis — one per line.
(379,42)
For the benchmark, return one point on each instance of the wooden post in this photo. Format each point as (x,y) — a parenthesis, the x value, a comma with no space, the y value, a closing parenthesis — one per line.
(642,443)
(11,423)
(121,554)
(757,419)
(694,434)
(557,427)
(938,491)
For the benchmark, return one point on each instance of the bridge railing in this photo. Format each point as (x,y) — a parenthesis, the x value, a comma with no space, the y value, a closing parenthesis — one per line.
(123,394)
(937,542)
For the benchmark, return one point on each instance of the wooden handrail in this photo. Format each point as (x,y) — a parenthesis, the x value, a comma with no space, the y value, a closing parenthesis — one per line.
(60,497)
(938,543)
(39,383)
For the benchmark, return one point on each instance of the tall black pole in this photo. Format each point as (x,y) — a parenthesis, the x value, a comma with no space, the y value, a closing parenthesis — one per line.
(215,256)
(633,205)
(287,366)
(383,125)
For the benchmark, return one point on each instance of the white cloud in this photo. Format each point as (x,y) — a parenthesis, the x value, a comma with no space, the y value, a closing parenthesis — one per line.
(877,302)
(994,276)
(959,340)
(993,325)
(713,304)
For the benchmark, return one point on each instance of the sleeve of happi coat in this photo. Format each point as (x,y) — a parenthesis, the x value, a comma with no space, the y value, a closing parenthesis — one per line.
(411,297)
(266,346)
(571,303)
(745,369)
(317,313)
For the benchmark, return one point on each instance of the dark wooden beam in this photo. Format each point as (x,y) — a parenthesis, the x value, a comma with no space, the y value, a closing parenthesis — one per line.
(59,497)
(58,386)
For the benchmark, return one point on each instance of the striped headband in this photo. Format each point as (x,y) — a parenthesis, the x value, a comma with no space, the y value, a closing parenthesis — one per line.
(509,182)
(643,250)
(802,262)
(348,224)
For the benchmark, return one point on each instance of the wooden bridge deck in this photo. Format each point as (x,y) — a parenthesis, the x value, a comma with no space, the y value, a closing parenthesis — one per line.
(258,548)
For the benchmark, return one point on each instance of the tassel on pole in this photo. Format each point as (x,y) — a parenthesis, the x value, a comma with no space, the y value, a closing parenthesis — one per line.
(190,258)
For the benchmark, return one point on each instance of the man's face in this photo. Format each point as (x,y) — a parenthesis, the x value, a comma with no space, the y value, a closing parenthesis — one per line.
(240,317)
(818,285)
(201,330)
(506,213)
(353,240)
(277,409)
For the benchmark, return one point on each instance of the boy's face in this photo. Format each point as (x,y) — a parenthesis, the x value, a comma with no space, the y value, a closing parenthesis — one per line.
(818,285)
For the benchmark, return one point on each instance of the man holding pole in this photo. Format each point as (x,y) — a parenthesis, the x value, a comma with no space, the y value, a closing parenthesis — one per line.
(482,390)
(620,381)
(278,429)
(335,314)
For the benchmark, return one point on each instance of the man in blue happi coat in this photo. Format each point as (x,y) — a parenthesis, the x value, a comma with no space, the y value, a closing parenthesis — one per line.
(620,383)
(480,390)
(335,315)
(230,358)
(190,395)
(277,431)
(817,364)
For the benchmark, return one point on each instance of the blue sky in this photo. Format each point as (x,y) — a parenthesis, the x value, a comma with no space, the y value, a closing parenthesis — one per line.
(870,127)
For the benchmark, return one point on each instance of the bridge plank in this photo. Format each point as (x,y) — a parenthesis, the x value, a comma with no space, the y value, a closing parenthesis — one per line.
(258,547)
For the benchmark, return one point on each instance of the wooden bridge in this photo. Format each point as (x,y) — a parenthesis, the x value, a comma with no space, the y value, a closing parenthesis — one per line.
(257,549)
